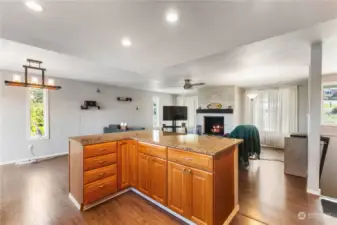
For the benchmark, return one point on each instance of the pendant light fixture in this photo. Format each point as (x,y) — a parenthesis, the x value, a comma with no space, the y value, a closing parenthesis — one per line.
(34,83)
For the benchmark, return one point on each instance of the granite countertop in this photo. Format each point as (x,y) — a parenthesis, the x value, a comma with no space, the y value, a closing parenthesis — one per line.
(209,145)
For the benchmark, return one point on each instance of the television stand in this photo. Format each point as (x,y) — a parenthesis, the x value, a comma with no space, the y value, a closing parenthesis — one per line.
(174,127)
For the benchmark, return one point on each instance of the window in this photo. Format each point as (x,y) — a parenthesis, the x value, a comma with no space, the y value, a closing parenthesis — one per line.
(275,113)
(38,113)
(329,104)
(155,109)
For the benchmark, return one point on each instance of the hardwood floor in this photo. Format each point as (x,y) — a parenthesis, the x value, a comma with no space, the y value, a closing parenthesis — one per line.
(37,194)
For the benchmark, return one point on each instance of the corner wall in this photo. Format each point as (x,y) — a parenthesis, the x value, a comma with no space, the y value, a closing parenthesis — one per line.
(66,117)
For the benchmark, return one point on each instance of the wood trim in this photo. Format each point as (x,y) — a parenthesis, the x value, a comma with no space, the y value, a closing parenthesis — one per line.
(77,205)
(236,175)
(122,165)
(224,186)
(231,216)
(76,171)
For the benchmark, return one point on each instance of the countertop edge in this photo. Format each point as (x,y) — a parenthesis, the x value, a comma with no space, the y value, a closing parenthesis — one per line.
(156,143)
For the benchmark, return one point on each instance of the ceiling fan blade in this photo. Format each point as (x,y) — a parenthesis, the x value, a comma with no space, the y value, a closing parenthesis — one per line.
(198,84)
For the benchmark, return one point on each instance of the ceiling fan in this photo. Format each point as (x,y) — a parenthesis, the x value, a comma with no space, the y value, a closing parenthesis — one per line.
(188,85)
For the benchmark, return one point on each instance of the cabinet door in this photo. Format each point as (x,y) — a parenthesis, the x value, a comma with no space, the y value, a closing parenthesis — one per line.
(201,196)
(143,174)
(158,180)
(178,186)
(133,163)
(123,165)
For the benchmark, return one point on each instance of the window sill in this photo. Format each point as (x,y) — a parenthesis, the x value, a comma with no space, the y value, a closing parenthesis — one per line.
(329,125)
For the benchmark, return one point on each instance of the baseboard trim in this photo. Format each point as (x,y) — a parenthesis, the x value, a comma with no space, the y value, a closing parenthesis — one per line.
(78,205)
(29,160)
(232,215)
(163,207)
(334,200)
(314,192)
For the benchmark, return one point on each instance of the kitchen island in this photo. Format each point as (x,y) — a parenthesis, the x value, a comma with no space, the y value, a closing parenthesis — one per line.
(193,177)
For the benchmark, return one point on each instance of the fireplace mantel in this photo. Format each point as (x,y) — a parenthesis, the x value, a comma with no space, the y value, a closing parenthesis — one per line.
(227,111)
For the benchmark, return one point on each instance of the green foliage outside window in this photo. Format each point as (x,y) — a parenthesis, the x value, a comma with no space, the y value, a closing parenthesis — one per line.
(37,112)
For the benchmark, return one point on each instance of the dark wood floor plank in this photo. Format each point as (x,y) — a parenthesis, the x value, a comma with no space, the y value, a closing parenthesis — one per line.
(37,194)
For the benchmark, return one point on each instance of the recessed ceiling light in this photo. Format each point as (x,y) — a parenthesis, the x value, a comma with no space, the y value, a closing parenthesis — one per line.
(126,42)
(33,5)
(172,16)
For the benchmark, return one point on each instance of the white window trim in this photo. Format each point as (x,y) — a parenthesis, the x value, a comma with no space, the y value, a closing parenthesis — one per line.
(46,117)
(322,105)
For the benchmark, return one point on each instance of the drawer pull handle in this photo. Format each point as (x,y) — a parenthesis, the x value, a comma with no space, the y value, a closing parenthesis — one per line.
(190,171)
(101,186)
(102,174)
(102,162)
(103,149)
(185,158)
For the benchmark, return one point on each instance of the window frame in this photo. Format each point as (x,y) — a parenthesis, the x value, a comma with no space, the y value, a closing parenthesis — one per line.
(46,116)
(322,104)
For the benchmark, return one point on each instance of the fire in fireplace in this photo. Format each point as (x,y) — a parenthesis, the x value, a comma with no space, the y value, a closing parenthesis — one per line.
(214,125)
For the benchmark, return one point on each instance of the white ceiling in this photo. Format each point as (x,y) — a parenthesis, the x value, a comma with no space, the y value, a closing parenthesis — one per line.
(219,43)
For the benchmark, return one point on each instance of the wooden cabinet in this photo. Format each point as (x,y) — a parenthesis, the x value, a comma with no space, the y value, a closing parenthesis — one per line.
(99,189)
(201,192)
(123,165)
(190,193)
(201,188)
(143,173)
(158,179)
(133,163)
(191,159)
(178,189)
(152,176)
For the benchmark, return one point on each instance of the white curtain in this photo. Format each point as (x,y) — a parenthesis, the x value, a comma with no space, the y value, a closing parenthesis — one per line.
(275,113)
(192,104)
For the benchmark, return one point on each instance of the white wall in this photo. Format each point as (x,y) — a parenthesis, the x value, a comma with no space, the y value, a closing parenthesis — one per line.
(238,105)
(216,94)
(66,118)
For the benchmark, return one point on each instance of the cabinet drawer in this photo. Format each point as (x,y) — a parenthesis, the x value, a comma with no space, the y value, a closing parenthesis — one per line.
(192,159)
(100,173)
(99,149)
(100,189)
(99,161)
(153,150)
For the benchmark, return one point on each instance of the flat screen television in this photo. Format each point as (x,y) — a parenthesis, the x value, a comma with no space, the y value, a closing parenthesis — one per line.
(174,113)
